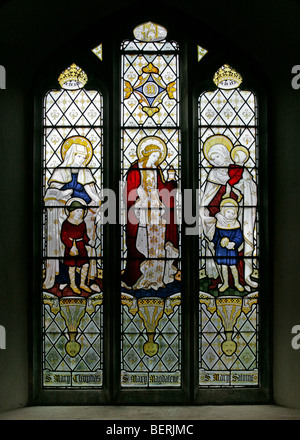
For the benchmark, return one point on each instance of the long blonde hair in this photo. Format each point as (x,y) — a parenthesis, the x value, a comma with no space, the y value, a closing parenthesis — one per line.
(146,153)
(144,159)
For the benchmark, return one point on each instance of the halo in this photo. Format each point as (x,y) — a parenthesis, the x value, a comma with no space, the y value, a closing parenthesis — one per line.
(76,199)
(229,201)
(80,140)
(152,140)
(214,140)
(240,148)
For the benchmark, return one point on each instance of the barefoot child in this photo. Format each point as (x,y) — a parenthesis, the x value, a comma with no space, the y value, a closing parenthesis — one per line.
(75,239)
(227,239)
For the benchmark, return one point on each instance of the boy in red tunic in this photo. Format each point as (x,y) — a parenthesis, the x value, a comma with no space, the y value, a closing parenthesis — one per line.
(75,238)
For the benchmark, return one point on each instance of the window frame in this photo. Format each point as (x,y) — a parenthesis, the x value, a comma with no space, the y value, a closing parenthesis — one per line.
(105,76)
(250,72)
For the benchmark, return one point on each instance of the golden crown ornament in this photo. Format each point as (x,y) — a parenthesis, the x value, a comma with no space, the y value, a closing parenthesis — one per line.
(227,78)
(73,78)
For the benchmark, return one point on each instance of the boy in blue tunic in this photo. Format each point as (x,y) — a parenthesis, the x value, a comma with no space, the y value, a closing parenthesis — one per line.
(227,239)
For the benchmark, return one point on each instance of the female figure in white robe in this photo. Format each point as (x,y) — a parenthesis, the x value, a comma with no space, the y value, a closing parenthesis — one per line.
(217,150)
(70,179)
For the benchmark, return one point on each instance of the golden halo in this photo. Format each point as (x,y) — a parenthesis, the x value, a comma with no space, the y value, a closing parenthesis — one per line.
(80,140)
(240,148)
(76,199)
(152,140)
(229,201)
(215,140)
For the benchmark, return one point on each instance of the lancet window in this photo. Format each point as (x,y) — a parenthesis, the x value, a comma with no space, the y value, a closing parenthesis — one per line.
(229,234)
(72,293)
(150,158)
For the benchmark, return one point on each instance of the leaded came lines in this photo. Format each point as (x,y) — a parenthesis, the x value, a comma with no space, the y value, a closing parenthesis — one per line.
(150,251)
(229,234)
(72,235)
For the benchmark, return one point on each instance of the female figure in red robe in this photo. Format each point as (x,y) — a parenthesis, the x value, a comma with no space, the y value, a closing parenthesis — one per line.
(151,230)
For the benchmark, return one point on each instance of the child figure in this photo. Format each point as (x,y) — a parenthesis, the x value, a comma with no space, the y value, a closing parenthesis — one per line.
(75,238)
(227,239)
(239,155)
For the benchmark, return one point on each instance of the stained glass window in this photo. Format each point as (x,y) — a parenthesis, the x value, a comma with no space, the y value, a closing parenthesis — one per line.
(229,234)
(72,234)
(148,350)
(98,51)
(150,241)
(201,52)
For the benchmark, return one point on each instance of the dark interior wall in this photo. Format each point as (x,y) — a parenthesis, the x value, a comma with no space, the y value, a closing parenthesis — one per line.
(29,32)
(285,236)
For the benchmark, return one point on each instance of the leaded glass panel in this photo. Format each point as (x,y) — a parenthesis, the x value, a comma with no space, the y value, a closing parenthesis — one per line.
(229,234)
(72,320)
(150,239)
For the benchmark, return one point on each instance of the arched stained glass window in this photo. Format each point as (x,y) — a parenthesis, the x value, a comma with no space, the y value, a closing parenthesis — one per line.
(229,245)
(182,319)
(72,234)
(150,161)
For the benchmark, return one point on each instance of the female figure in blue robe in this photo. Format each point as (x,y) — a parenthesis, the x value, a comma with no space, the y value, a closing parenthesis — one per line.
(228,237)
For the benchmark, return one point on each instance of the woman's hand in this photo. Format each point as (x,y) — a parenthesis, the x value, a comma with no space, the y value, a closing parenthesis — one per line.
(67,192)
(142,193)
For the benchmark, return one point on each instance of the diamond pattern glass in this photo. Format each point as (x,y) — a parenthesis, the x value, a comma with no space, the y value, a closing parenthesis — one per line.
(72,294)
(150,240)
(229,235)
